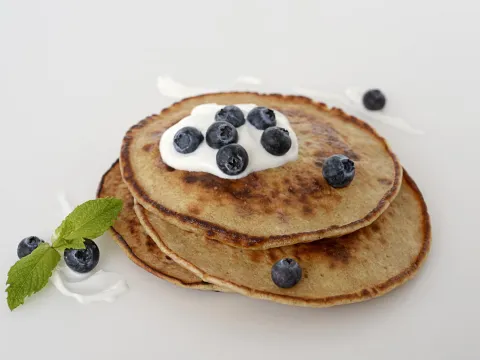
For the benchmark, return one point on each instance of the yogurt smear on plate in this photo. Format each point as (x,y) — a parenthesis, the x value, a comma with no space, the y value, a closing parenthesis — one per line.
(94,286)
(87,288)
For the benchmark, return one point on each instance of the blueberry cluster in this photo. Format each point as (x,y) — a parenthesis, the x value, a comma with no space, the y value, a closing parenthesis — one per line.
(232,158)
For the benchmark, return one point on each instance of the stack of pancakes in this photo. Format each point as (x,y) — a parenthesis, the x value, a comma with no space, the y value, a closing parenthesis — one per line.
(200,231)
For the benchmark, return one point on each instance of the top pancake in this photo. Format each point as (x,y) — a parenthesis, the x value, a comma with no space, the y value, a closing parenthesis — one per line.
(275,207)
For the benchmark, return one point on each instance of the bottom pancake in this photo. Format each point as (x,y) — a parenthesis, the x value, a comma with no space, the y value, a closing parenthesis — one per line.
(139,247)
(355,267)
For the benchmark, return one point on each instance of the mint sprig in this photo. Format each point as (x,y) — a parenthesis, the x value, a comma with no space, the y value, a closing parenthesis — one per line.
(31,273)
(89,220)
(62,244)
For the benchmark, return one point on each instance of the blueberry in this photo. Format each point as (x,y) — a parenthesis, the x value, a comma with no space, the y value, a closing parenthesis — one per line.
(262,118)
(82,260)
(232,159)
(338,170)
(231,114)
(374,100)
(27,245)
(221,133)
(286,273)
(276,140)
(187,140)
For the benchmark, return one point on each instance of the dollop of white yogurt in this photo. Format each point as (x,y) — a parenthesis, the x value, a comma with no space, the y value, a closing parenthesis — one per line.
(87,288)
(204,157)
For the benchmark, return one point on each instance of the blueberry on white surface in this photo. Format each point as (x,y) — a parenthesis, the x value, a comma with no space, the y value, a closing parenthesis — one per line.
(374,100)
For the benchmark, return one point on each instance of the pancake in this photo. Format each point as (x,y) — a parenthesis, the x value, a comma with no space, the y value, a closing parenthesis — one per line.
(132,238)
(276,207)
(355,267)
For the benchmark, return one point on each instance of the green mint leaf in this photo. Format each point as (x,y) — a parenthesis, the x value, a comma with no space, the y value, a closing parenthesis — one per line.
(30,274)
(89,220)
(61,244)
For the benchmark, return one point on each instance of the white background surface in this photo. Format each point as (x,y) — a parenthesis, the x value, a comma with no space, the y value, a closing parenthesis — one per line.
(74,75)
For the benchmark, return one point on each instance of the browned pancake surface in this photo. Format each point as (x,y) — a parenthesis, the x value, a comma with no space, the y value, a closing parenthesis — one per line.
(355,267)
(275,207)
(132,238)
